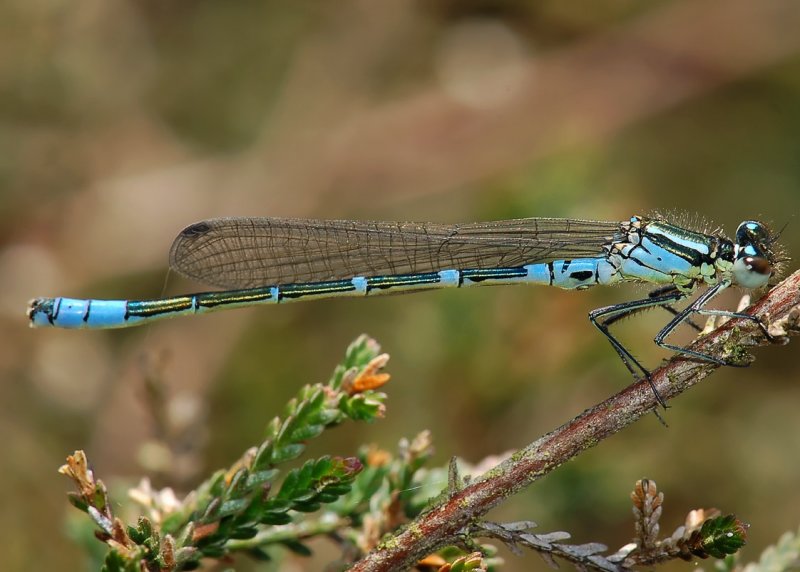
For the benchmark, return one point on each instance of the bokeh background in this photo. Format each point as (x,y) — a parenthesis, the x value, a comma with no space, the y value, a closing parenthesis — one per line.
(121,121)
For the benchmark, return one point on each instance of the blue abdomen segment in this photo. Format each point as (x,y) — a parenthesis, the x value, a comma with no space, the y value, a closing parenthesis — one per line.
(577,274)
(72,313)
(571,274)
(76,313)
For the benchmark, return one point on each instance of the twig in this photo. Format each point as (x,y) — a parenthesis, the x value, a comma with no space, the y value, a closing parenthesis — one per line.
(450,517)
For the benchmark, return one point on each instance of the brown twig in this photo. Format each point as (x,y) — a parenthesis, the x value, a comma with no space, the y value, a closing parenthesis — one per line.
(447,520)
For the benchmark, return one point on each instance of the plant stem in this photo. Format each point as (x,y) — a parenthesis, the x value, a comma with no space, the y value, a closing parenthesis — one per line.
(326,524)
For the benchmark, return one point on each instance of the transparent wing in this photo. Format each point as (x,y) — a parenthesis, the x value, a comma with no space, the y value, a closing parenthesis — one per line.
(252,252)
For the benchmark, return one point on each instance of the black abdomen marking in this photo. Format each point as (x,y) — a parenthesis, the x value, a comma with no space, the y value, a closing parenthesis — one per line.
(581,275)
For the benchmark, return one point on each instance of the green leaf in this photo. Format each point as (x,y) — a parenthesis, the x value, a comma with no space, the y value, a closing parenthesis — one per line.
(289,485)
(211,510)
(297,547)
(263,457)
(185,555)
(329,416)
(114,562)
(307,432)
(77,501)
(362,407)
(213,551)
(238,484)
(361,351)
(260,477)
(277,505)
(244,532)
(287,453)
(272,429)
(173,522)
(258,554)
(100,496)
(142,531)
(233,507)
(258,505)
(216,484)
(303,506)
(275,518)
(322,467)
(331,494)
(337,377)
(718,537)
(186,534)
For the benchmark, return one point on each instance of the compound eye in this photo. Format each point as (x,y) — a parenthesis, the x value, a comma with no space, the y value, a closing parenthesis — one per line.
(751,232)
(752,271)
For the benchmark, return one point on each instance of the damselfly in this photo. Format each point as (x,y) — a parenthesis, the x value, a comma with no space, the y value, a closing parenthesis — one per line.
(275,260)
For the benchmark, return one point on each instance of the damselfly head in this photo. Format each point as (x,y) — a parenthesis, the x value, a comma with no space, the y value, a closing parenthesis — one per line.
(755,255)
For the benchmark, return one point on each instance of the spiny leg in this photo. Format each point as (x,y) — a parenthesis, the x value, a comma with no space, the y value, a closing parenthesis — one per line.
(696,307)
(603,317)
(749,317)
(657,293)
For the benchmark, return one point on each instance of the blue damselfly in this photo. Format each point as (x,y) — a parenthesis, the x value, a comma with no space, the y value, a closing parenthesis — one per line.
(275,260)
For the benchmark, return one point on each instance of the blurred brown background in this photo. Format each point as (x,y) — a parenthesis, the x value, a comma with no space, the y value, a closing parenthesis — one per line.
(122,121)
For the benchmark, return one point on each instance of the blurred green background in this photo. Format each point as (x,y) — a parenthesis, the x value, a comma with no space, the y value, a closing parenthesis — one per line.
(121,121)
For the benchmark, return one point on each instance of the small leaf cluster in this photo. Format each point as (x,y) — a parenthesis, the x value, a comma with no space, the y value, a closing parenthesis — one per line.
(548,545)
(235,508)
(390,490)
(705,533)
(235,505)
(718,537)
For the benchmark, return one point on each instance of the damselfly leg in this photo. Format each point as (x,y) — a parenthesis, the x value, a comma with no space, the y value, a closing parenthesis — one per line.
(603,318)
(697,307)
(657,293)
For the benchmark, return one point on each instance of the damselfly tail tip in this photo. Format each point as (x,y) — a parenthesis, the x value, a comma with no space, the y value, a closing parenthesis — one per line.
(39,309)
